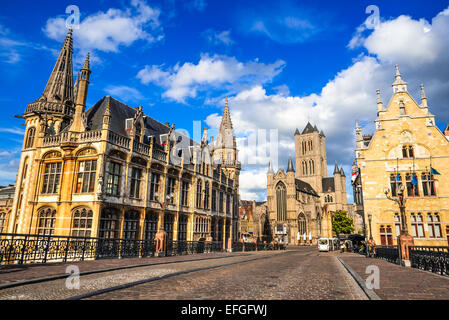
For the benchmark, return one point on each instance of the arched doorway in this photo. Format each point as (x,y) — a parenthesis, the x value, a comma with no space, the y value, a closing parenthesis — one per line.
(302,228)
(281,202)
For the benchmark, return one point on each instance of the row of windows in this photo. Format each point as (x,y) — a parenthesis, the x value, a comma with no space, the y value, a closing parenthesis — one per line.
(85,183)
(412,184)
(418,227)
(110,224)
(328,199)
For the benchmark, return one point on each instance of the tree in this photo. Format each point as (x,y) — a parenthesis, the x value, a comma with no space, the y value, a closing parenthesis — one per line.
(341,223)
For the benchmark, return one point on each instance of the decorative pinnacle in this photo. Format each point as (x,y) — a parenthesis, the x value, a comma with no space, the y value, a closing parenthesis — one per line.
(86,65)
(423,93)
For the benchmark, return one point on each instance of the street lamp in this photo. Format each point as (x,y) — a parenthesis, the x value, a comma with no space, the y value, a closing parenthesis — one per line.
(404,240)
(400,200)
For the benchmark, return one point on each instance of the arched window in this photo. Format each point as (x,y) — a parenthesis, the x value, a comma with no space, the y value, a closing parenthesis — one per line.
(281,201)
(109,224)
(395,184)
(46,221)
(29,141)
(412,189)
(82,222)
(3,222)
(151,219)
(302,224)
(131,225)
(307,169)
(52,177)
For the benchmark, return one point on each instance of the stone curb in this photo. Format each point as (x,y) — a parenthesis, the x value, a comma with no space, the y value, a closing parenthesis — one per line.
(369,293)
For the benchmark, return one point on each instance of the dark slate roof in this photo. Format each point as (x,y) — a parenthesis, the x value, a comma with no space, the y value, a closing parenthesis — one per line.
(290,165)
(342,172)
(309,129)
(297,132)
(305,187)
(119,112)
(328,185)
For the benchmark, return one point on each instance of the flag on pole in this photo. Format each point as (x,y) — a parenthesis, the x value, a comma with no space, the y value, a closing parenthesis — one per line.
(398,177)
(414,179)
(354,176)
(434,172)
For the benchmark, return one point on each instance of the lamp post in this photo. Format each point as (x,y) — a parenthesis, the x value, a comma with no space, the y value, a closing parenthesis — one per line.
(404,240)
(370,218)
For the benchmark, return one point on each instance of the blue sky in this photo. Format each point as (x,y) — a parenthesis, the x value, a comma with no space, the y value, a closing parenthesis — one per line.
(282,63)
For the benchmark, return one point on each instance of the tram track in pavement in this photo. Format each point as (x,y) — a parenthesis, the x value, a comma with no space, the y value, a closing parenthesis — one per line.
(56,290)
(65,275)
(170,275)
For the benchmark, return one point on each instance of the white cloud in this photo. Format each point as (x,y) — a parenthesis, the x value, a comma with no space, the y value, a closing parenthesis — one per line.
(218,38)
(13,130)
(124,93)
(419,47)
(402,39)
(107,31)
(217,71)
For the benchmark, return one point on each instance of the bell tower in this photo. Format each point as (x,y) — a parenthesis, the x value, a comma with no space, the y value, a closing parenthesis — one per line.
(311,159)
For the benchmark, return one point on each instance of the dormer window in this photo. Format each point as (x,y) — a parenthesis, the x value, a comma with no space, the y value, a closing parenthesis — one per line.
(407,151)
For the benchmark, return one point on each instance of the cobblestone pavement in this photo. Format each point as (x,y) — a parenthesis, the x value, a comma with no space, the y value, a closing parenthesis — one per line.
(57,289)
(292,275)
(13,273)
(401,283)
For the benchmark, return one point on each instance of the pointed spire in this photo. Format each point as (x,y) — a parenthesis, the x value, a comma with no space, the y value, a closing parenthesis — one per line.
(308,129)
(423,97)
(270,168)
(290,165)
(336,169)
(107,114)
(342,172)
(380,106)
(322,134)
(86,65)
(399,85)
(226,122)
(297,132)
(59,87)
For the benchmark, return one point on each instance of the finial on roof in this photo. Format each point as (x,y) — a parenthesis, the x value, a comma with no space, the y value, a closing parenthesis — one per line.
(290,165)
(399,85)
(270,168)
(380,106)
(423,96)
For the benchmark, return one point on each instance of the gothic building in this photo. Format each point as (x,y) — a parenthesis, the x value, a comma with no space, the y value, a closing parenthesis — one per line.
(301,204)
(407,151)
(114,172)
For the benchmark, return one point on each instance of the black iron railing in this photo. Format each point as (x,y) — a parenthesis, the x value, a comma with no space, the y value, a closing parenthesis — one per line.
(390,253)
(433,259)
(26,248)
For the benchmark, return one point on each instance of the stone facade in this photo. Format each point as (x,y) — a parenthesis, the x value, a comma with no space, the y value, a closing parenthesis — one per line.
(114,172)
(402,151)
(304,202)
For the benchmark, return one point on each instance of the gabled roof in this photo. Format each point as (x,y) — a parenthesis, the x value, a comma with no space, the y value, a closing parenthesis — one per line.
(305,188)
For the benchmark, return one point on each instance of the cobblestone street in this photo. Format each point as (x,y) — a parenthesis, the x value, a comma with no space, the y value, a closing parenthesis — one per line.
(295,274)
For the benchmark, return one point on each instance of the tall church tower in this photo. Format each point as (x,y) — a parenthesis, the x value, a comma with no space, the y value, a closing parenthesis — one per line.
(48,115)
(311,159)
(225,151)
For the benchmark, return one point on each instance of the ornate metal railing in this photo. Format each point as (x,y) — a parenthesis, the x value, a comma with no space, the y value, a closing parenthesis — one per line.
(388,253)
(26,248)
(433,259)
